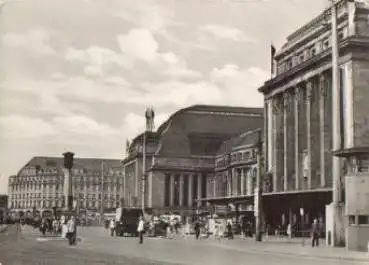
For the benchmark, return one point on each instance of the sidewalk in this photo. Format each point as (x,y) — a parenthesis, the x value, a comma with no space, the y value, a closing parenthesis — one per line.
(294,247)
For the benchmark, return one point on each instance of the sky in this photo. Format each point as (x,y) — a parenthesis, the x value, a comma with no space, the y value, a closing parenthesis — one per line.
(77,75)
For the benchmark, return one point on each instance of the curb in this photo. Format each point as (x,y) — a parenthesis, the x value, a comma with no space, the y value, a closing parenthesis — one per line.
(271,252)
(45,239)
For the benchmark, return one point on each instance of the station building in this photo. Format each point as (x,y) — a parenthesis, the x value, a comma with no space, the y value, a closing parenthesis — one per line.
(181,158)
(300,114)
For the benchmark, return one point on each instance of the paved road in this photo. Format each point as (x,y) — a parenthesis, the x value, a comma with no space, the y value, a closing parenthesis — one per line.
(101,249)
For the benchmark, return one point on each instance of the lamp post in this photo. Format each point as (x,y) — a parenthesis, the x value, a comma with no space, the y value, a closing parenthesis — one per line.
(143,171)
(68,164)
(258,197)
(102,194)
(336,129)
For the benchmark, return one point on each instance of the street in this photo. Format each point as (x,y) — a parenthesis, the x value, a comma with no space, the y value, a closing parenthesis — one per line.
(97,247)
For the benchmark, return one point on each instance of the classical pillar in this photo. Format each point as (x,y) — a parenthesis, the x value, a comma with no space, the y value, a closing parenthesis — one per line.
(171,189)
(199,187)
(215,186)
(285,142)
(242,181)
(85,192)
(308,128)
(274,144)
(149,189)
(322,129)
(181,184)
(234,182)
(137,177)
(270,135)
(190,185)
(297,99)
(249,181)
(54,193)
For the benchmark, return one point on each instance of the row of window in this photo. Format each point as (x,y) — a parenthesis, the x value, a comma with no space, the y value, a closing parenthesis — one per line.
(82,186)
(301,56)
(60,203)
(242,156)
(59,179)
(358,219)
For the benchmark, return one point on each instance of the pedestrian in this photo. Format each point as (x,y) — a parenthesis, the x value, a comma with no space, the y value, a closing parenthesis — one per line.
(229,230)
(218,232)
(43,226)
(112,227)
(72,231)
(197,229)
(289,231)
(187,229)
(140,229)
(315,233)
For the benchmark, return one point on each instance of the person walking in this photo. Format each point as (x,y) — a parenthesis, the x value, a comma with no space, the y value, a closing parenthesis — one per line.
(140,229)
(315,233)
(43,227)
(197,229)
(72,231)
(229,230)
(112,227)
(289,231)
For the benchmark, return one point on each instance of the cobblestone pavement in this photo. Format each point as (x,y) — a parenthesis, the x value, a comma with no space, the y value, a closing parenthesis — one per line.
(98,248)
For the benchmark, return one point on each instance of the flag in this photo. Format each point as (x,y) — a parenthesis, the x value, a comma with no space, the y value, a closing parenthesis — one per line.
(272,54)
(127,146)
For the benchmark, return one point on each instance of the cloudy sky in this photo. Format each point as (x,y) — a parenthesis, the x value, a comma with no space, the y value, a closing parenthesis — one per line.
(78,74)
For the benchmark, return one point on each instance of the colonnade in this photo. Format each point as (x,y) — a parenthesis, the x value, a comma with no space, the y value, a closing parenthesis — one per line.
(299,142)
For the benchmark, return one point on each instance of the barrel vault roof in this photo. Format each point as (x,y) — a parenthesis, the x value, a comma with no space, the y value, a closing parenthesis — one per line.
(202,130)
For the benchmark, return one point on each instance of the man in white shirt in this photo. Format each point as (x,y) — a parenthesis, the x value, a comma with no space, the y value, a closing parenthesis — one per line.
(112,227)
(140,228)
(72,230)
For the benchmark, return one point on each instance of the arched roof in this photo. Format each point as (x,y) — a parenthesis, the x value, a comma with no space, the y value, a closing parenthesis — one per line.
(201,129)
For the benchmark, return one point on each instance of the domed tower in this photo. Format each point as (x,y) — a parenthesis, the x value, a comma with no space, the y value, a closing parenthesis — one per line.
(150,115)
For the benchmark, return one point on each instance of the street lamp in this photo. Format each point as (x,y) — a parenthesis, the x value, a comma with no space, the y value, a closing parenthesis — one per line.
(258,197)
(68,164)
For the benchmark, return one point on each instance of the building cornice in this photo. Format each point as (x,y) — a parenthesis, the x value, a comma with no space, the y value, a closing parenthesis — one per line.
(234,114)
(352,43)
(350,152)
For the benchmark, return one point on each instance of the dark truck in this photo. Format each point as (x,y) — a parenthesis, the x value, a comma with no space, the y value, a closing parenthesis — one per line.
(126,220)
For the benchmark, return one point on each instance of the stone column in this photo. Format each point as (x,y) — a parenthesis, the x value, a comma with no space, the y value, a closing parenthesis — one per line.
(274,144)
(308,128)
(54,193)
(249,182)
(322,129)
(234,182)
(149,189)
(215,179)
(190,185)
(285,142)
(137,178)
(181,182)
(242,181)
(199,187)
(297,99)
(229,183)
(270,135)
(171,189)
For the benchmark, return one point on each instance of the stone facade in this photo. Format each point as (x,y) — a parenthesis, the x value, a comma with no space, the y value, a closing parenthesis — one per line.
(181,157)
(304,106)
(3,206)
(41,185)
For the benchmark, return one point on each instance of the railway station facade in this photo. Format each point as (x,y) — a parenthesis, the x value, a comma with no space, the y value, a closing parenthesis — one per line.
(301,109)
